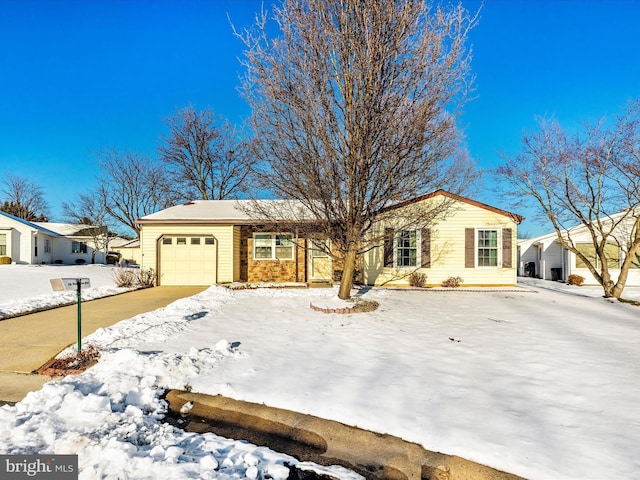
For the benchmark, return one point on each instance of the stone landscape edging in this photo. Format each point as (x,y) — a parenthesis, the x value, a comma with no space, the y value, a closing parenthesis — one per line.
(326,442)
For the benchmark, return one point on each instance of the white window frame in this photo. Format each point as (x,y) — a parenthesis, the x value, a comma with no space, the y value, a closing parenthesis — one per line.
(418,248)
(498,246)
(4,244)
(274,238)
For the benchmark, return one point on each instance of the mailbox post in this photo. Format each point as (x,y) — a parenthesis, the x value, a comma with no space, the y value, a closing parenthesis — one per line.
(59,284)
(79,286)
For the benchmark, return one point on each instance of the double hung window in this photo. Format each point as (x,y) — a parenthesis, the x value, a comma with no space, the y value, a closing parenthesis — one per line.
(406,248)
(273,246)
(487,248)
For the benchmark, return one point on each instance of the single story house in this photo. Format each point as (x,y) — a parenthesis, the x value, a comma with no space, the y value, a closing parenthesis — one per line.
(216,241)
(44,243)
(544,257)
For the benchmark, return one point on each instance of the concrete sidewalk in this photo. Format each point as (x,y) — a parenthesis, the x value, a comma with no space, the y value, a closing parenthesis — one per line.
(30,341)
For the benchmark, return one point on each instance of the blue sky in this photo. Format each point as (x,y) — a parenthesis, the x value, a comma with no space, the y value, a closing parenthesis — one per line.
(79,76)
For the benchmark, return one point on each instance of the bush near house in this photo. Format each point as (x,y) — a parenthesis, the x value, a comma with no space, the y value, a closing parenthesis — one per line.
(575,280)
(5,260)
(417,279)
(452,282)
(129,277)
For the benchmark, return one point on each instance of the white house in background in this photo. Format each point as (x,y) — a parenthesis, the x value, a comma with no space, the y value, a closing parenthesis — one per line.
(544,257)
(43,243)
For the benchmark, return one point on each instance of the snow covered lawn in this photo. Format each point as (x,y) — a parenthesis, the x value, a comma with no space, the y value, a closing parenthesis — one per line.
(537,382)
(25,288)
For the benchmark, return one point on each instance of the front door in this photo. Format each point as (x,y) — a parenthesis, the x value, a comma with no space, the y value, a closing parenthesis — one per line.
(319,261)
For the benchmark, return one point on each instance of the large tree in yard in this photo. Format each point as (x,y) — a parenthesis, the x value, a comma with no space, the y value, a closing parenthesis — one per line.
(354,107)
(586,182)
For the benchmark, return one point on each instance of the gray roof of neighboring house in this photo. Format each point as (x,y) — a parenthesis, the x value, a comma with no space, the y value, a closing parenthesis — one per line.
(66,229)
(35,225)
(126,244)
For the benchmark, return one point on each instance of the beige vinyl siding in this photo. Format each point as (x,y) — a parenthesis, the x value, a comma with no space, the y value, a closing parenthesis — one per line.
(448,251)
(236,253)
(223,235)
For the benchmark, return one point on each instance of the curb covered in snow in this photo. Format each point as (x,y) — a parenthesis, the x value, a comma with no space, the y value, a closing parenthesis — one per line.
(326,442)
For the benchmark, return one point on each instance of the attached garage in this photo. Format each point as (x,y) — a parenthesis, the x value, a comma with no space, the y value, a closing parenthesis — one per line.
(187,260)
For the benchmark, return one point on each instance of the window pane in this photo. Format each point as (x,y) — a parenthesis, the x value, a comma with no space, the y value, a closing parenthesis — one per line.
(589,251)
(284,247)
(487,248)
(208,241)
(3,244)
(406,248)
(263,252)
(319,249)
(262,240)
(284,240)
(195,241)
(612,254)
(262,246)
(167,241)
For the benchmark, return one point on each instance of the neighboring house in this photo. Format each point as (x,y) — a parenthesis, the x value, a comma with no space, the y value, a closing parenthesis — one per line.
(79,246)
(544,257)
(27,242)
(43,242)
(216,241)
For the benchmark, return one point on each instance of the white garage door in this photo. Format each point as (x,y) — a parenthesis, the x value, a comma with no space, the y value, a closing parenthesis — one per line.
(187,260)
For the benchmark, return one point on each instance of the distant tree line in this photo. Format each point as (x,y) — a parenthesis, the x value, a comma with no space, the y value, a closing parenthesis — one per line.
(202,157)
(23,198)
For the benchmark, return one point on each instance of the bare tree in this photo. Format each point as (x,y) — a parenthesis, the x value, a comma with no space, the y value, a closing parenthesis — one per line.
(24,199)
(588,180)
(89,210)
(205,156)
(354,109)
(131,186)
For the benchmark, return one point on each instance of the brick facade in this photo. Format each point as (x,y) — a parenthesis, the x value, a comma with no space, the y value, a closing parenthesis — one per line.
(252,270)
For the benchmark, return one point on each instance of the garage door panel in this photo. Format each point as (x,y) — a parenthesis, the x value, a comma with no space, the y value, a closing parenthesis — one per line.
(187,260)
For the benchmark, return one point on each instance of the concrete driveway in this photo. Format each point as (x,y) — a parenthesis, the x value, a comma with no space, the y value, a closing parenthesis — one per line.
(30,341)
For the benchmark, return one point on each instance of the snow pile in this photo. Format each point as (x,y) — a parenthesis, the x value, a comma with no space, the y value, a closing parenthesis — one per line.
(110,416)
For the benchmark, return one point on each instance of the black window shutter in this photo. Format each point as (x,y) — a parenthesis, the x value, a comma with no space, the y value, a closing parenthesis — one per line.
(425,248)
(469,247)
(507,248)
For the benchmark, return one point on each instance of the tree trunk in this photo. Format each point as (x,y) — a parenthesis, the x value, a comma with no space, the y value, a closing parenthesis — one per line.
(347,273)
